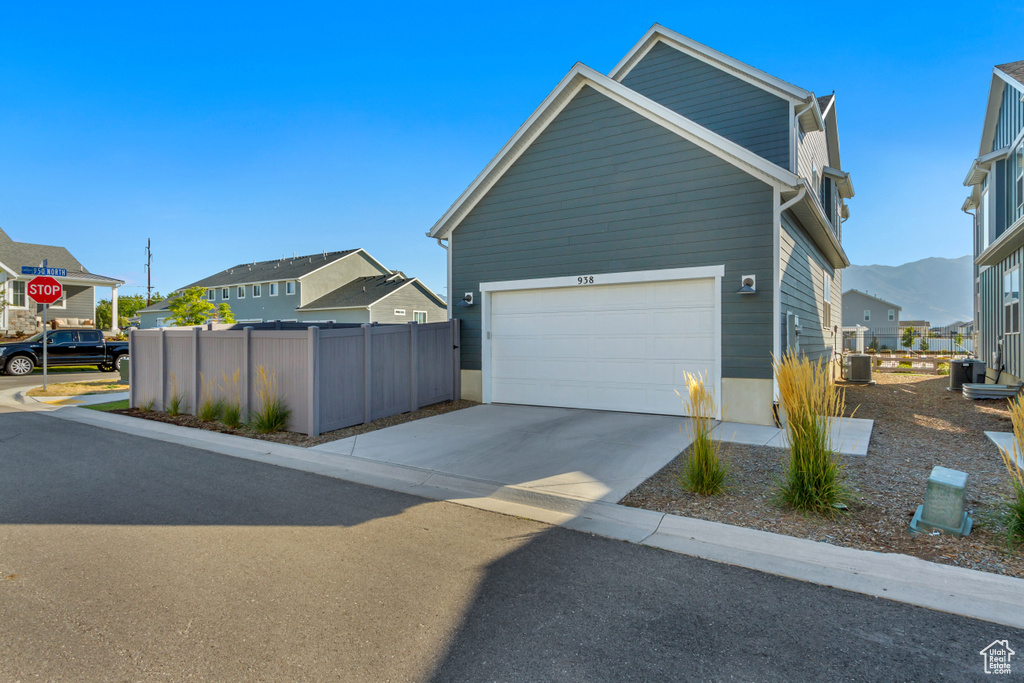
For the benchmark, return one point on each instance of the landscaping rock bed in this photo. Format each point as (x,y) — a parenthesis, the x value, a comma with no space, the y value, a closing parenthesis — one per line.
(294,438)
(918,424)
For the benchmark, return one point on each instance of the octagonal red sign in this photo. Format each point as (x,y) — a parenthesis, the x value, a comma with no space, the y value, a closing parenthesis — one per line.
(44,290)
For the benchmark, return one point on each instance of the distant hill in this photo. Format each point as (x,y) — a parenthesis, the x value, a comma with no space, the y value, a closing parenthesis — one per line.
(938,290)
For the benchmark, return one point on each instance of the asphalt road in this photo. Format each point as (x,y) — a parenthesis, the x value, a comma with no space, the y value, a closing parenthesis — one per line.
(128,559)
(53,376)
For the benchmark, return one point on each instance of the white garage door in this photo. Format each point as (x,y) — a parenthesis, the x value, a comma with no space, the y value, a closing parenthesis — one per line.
(623,347)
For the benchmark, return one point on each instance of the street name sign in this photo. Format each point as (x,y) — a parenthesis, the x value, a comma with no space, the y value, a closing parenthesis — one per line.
(36,270)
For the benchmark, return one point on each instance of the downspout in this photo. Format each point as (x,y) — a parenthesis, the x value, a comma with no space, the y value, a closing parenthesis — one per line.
(442,244)
(799,195)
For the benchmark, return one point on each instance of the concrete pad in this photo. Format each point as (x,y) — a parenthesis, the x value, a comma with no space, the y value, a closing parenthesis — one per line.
(750,435)
(591,455)
(1005,441)
(850,436)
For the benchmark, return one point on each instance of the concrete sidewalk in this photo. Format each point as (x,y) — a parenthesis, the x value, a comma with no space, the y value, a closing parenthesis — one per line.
(82,399)
(970,593)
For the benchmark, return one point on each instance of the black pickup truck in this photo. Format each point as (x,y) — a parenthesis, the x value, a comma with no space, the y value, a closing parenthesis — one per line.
(63,347)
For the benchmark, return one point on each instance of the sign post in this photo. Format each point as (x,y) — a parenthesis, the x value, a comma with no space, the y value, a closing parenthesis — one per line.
(44,290)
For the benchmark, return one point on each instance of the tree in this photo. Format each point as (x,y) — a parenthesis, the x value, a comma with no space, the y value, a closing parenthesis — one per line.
(190,307)
(959,340)
(908,337)
(924,343)
(224,314)
(127,307)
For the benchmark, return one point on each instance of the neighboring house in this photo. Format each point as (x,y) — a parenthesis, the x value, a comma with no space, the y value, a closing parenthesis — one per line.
(878,315)
(338,286)
(921,327)
(996,179)
(77,307)
(683,214)
(961,327)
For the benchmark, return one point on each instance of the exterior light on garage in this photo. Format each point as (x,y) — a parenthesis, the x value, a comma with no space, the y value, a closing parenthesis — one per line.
(466,300)
(748,285)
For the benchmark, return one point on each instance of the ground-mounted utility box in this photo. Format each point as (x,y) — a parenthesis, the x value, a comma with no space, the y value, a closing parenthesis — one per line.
(945,504)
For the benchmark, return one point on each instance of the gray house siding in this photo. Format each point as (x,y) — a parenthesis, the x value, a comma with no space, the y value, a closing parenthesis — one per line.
(854,305)
(735,109)
(812,154)
(80,303)
(409,298)
(338,315)
(604,190)
(263,307)
(992,321)
(330,277)
(802,291)
(1011,118)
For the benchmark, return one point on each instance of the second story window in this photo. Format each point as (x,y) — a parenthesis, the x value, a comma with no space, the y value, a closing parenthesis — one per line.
(225,293)
(867,315)
(257,290)
(240,293)
(1019,169)
(273,289)
(289,287)
(892,314)
(210,294)
(1011,301)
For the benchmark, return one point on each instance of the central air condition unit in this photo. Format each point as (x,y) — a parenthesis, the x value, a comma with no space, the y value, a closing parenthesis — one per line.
(858,368)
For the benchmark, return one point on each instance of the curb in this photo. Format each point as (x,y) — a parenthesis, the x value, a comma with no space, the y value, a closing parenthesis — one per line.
(902,578)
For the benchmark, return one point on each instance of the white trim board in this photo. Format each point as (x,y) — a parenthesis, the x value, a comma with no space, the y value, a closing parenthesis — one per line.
(715,272)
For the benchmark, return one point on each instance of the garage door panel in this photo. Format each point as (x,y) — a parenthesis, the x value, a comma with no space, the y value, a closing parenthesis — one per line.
(604,347)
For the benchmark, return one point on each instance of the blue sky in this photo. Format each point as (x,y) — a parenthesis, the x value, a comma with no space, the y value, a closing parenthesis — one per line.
(230,133)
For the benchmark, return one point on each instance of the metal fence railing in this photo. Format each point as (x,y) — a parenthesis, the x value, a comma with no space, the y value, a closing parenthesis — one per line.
(925,341)
(328,378)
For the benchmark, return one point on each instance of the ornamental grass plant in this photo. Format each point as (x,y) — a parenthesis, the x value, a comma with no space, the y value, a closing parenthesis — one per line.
(1014,506)
(210,408)
(704,471)
(231,408)
(812,479)
(273,413)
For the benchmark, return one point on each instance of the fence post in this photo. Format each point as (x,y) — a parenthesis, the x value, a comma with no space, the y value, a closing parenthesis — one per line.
(162,384)
(414,382)
(131,368)
(456,359)
(196,378)
(367,358)
(277,324)
(313,378)
(246,373)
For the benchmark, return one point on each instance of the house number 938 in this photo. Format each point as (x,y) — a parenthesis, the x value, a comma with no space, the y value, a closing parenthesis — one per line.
(585,280)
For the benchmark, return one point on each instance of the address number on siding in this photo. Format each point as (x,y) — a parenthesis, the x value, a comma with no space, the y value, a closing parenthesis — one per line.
(585,280)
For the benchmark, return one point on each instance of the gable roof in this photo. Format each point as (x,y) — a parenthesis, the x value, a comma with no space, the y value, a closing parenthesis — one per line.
(1014,70)
(1012,74)
(366,291)
(880,300)
(13,255)
(581,75)
(293,268)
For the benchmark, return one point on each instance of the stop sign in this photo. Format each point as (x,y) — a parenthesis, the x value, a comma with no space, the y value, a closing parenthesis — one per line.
(44,290)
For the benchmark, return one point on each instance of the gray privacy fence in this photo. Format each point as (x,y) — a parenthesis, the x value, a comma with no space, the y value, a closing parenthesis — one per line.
(329,378)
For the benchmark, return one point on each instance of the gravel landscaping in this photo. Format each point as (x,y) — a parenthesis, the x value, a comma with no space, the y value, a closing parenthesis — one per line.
(918,424)
(294,438)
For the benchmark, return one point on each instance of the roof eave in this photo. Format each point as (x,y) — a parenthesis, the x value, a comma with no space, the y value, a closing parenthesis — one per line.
(1003,246)
(812,216)
(843,181)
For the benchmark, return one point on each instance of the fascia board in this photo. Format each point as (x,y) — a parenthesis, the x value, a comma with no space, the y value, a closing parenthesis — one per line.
(9,270)
(977,173)
(409,282)
(845,183)
(334,308)
(1008,78)
(838,257)
(995,96)
(731,65)
(577,77)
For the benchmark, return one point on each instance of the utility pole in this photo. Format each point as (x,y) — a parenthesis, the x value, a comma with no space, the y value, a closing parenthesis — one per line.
(149,272)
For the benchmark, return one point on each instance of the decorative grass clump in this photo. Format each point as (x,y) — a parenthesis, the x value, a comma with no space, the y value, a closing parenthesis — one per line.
(231,407)
(1014,507)
(812,480)
(176,406)
(272,415)
(704,471)
(210,408)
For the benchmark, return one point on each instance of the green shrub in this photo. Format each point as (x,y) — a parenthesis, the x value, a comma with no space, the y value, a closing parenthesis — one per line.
(904,364)
(231,407)
(273,413)
(176,406)
(812,480)
(231,415)
(943,368)
(147,406)
(209,407)
(704,471)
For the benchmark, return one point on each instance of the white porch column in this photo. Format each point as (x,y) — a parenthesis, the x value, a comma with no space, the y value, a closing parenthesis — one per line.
(113,310)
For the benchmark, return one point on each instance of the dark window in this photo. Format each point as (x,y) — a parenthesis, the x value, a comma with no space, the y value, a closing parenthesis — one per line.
(90,337)
(62,337)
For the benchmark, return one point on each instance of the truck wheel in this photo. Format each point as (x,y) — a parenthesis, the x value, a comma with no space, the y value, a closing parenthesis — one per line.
(120,359)
(19,366)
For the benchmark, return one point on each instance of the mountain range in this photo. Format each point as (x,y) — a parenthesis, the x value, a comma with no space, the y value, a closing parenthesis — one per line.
(938,290)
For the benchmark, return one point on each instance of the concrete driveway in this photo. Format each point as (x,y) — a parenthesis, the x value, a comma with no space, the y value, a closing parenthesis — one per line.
(587,454)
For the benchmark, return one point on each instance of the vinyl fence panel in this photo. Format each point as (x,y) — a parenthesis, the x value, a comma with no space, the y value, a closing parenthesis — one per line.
(330,378)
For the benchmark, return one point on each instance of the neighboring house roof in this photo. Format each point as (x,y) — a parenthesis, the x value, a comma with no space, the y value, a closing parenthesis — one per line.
(915,323)
(365,291)
(162,305)
(887,303)
(1014,70)
(806,208)
(267,271)
(14,255)
(825,102)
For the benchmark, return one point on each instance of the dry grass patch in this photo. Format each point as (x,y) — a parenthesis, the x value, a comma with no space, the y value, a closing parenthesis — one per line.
(102,386)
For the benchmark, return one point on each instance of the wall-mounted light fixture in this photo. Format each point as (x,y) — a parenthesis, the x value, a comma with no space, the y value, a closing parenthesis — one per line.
(748,285)
(466,300)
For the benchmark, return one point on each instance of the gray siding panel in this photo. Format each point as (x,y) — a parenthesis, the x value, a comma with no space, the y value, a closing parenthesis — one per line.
(603,205)
(802,290)
(409,298)
(735,109)
(991,318)
(1011,118)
